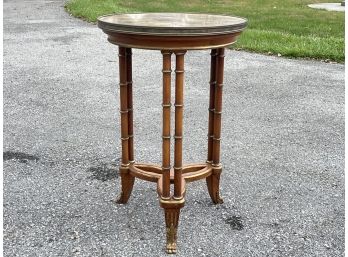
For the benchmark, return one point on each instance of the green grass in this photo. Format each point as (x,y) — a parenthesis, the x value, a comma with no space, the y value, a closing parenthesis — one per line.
(286,27)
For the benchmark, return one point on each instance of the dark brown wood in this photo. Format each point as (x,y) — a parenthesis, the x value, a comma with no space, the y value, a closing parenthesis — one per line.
(213,181)
(218,106)
(166,104)
(127,180)
(213,184)
(171,42)
(178,137)
(211,104)
(123,105)
(130,105)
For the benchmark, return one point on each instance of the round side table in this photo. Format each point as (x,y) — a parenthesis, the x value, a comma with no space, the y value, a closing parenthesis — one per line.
(172,33)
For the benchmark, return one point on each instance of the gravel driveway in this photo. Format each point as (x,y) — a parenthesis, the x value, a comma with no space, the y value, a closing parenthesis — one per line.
(282,148)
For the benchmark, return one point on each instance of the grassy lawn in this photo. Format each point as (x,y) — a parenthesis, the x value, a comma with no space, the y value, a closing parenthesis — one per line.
(286,27)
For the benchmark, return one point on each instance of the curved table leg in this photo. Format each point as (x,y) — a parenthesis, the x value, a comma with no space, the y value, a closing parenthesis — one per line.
(126,102)
(214,131)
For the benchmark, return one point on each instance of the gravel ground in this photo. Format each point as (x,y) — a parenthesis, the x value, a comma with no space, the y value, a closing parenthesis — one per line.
(282,148)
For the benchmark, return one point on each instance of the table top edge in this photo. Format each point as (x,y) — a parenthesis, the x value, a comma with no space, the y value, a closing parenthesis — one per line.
(172,31)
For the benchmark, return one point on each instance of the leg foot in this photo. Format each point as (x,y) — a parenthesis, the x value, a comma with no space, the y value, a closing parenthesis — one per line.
(172,217)
(213,183)
(172,213)
(127,182)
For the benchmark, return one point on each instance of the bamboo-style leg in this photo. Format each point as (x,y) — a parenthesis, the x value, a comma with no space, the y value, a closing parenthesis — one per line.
(127,180)
(166,104)
(172,205)
(215,108)
(130,104)
(211,104)
(179,104)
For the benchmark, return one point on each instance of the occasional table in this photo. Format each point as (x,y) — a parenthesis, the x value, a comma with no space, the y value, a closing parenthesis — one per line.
(172,34)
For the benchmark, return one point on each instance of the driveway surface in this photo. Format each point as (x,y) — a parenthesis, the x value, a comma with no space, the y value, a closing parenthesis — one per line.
(282,148)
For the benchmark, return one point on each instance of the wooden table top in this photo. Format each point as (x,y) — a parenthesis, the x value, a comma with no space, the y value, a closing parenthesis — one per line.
(172,31)
(171,24)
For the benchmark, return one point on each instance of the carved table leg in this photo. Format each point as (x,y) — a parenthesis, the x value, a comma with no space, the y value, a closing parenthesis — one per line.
(172,213)
(127,180)
(214,134)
